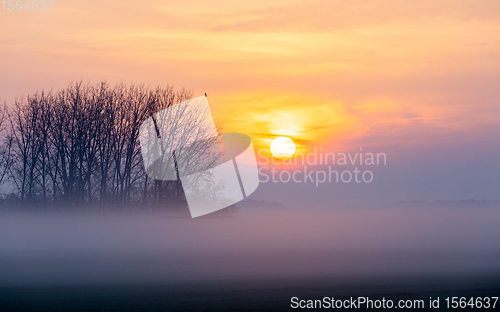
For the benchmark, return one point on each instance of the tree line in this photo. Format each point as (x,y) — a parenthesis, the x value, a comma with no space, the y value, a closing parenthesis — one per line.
(80,145)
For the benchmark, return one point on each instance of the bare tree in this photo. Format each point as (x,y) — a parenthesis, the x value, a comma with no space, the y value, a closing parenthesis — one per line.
(81,144)
(5,144)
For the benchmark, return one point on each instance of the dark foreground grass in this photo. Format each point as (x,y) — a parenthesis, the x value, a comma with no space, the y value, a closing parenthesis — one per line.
(243,295)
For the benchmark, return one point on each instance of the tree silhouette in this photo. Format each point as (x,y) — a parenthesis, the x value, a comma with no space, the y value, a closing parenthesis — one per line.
(80,145)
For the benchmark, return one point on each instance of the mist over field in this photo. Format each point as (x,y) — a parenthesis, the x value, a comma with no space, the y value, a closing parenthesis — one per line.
(108,248)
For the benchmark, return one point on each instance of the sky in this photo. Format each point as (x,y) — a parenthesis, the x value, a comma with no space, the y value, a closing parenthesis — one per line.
(415,80)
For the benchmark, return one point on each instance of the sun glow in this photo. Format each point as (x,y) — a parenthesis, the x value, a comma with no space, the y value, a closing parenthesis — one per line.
(282,147)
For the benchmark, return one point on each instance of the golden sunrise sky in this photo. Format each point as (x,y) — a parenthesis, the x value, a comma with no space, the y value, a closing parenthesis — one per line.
(336,74)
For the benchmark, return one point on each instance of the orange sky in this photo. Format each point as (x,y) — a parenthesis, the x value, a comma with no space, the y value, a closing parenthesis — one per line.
(338,74)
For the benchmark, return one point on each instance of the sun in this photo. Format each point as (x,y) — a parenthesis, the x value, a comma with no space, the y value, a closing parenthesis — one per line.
(282,147)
